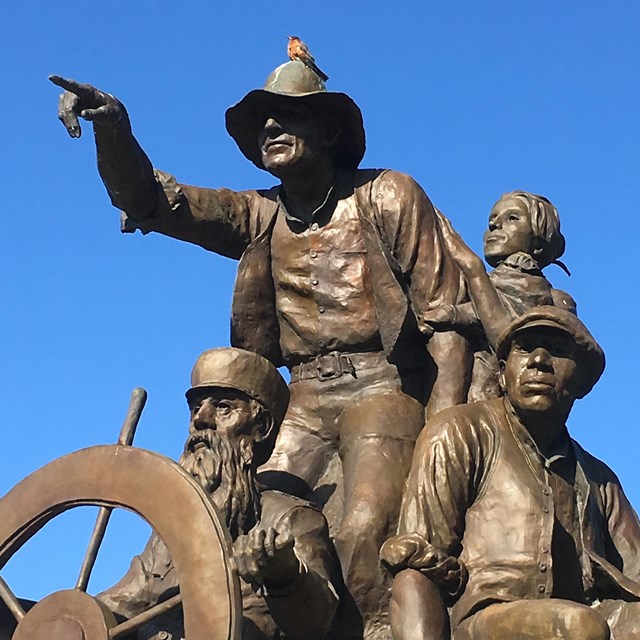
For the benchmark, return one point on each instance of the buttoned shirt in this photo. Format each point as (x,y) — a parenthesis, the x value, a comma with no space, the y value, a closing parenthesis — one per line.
(480,490)
(323,293)
(560,463)
(406,269)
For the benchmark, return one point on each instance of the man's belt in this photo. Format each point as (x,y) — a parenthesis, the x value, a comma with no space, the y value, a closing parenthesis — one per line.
(330,366)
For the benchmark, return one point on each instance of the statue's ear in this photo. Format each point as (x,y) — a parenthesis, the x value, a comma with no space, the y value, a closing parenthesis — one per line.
(265,428)
(501,380)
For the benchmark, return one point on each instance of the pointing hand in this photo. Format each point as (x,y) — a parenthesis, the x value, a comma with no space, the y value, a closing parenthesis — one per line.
(84,100)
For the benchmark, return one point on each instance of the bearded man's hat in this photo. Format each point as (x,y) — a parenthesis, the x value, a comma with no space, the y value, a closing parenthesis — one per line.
(290,84)
(245,371)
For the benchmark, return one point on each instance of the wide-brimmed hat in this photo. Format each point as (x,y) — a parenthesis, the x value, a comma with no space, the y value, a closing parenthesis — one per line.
(591,356)
(293,83)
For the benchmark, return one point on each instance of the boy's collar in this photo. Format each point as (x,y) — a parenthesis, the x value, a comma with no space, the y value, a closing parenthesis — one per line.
(523,262)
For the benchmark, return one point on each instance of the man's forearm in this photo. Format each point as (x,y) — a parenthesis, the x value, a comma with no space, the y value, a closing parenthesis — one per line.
(125,169)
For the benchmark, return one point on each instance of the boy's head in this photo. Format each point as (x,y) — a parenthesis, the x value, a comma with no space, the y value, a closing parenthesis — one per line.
(522,221)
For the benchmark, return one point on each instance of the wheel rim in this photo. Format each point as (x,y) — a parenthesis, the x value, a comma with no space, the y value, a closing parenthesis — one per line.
(162,493)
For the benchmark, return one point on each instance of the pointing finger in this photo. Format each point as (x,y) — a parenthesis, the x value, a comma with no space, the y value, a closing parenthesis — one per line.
(90,96)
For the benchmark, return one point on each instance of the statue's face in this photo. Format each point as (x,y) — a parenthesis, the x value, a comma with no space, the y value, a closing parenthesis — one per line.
(509,231)
(225,411)
(291,140)
(541,374)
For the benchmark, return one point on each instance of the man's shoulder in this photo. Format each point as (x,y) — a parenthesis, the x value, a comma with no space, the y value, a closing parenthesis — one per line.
(595,469)
(270,194)
(384,179)
(470,413)
(474,420)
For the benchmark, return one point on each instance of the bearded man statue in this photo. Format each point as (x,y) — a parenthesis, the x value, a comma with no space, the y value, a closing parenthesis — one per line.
(281,543)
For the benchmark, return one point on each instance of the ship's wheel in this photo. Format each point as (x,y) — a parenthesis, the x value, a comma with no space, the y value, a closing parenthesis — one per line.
(162,493)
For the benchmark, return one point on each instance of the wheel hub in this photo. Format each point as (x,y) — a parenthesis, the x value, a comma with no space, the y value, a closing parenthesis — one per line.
(66,615)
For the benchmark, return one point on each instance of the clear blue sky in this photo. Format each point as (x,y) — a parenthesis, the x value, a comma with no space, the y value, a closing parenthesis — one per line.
(471,98)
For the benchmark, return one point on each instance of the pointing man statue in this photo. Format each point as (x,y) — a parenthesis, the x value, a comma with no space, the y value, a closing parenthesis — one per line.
(335,264)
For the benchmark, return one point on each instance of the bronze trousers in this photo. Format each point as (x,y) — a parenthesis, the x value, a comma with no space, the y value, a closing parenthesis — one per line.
(371,418)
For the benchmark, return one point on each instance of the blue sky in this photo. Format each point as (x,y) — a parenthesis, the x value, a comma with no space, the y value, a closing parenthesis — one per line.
(471,98)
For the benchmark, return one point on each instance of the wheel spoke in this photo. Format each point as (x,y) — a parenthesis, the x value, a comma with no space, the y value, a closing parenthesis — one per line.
(142,618)
(136,405)
(94,545)
(9,598)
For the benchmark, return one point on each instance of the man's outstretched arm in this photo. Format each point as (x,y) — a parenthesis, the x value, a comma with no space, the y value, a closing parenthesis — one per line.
(218,220)
(124,167)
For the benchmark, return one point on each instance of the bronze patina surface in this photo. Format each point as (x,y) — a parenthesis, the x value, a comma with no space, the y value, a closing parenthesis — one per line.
(286,496)
(336,264)
(281,544)
(524,533)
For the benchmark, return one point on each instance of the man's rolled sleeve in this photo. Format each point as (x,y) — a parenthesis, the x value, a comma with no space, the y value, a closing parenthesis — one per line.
(218,220)
(446,473)
(624,529)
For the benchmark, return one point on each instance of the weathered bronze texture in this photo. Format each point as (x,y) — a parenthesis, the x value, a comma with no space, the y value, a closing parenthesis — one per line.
(335,264)
(281,543)
(68,615)
(535,536)
(382,314)
(143,482)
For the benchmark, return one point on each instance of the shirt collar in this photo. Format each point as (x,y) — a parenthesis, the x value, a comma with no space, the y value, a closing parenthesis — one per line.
(327,204)
(560,450)
(522,262)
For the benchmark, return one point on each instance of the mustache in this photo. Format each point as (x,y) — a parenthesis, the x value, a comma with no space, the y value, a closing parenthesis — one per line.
(209,437)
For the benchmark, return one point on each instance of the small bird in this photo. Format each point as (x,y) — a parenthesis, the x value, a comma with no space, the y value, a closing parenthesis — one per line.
(298,50)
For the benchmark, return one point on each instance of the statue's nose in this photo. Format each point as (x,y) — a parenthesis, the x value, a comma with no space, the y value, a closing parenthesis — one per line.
(205,416)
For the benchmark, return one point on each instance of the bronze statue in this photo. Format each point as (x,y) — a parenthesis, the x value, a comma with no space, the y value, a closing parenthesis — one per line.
(523,237)
(508,519)
(281,544)
(335,264)
(152,486)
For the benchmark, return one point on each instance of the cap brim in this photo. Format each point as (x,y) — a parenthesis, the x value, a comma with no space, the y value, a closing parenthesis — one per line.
(221,385)
(592,358)
(244,123)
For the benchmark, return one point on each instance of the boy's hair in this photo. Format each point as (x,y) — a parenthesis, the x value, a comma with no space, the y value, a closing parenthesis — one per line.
(545,223)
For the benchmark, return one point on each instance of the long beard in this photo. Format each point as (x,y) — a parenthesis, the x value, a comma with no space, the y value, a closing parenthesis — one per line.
(224,468)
